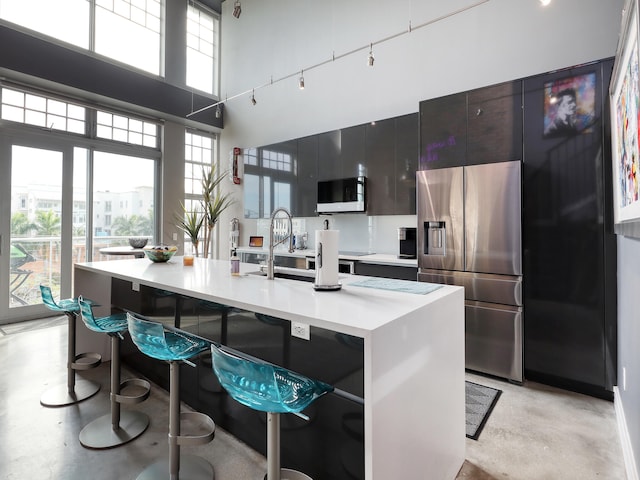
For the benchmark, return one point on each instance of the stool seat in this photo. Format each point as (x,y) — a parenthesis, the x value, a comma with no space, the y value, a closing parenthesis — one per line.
(153,340)
(118,427)
(75,390)
(268,388)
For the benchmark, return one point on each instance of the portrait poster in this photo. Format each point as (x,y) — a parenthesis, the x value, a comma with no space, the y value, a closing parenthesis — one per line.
(624,93)
(570,105)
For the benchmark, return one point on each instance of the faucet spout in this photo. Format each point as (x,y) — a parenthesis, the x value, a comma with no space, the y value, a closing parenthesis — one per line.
(273,243)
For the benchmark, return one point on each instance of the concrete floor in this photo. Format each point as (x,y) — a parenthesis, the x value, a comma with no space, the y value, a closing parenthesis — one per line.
(535,431)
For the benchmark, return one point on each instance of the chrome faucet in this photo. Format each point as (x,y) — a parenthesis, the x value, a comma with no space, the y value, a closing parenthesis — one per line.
(273,243)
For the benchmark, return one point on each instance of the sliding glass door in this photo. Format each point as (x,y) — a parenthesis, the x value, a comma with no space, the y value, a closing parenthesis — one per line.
(33,236)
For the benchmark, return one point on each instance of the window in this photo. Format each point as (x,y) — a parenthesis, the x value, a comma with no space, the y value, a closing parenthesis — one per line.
(130,31)
(66,20)
(23,107)
(202,49)
(126,129)
(199,153)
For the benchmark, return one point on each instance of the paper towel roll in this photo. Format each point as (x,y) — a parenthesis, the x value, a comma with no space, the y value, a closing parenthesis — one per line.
(327,258)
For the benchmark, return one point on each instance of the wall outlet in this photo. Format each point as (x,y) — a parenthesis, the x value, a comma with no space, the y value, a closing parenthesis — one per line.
(300,330)
(175,236)
(135,286)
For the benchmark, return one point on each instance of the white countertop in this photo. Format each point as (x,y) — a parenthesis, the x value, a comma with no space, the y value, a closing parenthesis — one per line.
(378,258)
(353,310)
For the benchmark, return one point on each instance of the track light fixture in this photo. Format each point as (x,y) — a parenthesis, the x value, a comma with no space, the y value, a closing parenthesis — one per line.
(370,58)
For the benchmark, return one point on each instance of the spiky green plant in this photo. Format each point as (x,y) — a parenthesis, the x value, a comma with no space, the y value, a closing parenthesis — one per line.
(190,222)
(214,202)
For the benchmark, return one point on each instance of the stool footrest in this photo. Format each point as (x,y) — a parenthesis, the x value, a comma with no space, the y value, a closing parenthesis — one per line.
(94,360)
(288,474)
(201,439)
(133,399)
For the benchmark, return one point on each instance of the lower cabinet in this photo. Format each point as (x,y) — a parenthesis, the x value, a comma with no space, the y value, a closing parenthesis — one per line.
(398,272)
(330,445)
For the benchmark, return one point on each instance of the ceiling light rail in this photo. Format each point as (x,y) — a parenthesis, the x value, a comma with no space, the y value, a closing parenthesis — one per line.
(368,47)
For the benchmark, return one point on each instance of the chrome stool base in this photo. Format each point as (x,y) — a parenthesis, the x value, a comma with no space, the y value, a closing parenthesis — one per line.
(100,433)
(191,468)
(60,396)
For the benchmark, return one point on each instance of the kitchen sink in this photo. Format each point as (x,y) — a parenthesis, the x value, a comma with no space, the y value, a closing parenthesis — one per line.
(288,273)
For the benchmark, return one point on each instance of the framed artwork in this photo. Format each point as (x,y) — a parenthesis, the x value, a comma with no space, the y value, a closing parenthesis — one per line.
(570,105)
(624,103)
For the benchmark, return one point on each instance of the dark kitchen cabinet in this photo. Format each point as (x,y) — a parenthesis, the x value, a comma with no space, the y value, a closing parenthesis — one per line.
(494,124)
(569,246)
(443,132)
(381,153)
(407,145)
(306,196)
(352,158)
(329,145)
(391,160)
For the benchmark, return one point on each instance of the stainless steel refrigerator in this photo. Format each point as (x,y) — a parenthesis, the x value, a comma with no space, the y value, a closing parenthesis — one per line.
(469,234)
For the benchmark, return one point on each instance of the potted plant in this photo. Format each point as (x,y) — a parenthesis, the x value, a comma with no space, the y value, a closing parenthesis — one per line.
(214,202)
(190,222)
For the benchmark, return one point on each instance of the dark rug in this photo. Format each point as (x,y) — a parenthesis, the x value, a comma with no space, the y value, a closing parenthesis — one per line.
(479,401)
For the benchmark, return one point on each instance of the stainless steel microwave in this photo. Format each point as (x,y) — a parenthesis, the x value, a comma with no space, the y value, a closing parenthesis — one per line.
(342,195)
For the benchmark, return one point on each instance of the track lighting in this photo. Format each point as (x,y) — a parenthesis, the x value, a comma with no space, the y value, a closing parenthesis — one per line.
(253,97)
(301,81)
(237,9)
(371,58)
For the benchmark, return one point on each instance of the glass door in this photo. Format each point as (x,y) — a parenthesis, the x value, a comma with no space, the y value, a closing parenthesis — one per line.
(32,252)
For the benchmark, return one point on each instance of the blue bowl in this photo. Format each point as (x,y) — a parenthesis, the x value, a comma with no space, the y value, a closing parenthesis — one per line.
(160,253)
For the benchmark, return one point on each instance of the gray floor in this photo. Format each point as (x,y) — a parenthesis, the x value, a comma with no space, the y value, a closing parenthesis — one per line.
(534,432)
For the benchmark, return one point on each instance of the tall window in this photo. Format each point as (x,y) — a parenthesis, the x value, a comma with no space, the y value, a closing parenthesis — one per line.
(66,20)
(202,49)
(129,31)
(199,154)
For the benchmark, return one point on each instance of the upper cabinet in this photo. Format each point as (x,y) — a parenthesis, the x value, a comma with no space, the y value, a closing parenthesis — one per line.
(443,132)
(471,128)
(494,124)
(306,193)
(287,174)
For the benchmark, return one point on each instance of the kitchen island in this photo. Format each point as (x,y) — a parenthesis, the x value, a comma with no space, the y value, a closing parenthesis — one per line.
(411,419)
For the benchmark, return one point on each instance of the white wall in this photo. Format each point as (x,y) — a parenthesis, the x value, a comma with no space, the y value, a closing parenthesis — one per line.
(496,41)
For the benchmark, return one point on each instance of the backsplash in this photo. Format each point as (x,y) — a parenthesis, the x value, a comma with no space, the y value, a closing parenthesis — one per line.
(362,233)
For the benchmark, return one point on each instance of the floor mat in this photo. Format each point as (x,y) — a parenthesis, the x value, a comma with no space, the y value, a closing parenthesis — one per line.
(479,402)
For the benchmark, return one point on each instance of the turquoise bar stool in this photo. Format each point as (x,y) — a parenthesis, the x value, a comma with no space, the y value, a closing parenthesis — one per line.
(120,426)
(174,347)
(267,388)
(76,390)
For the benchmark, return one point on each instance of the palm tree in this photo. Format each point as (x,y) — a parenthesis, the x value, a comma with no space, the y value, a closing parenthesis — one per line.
(47,223)
(20,224)
(134,225)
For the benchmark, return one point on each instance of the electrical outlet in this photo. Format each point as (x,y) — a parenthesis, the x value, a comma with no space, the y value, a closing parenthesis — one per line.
(175,236)
(300,330)
(135,286)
